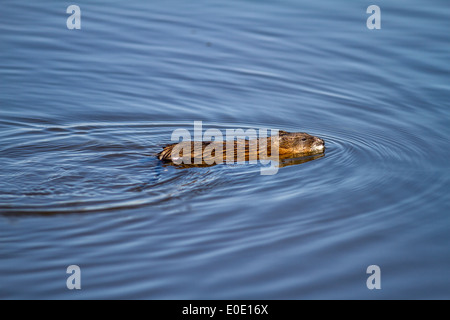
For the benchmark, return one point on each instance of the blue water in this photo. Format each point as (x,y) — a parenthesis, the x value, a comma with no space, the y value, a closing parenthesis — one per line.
(83,113)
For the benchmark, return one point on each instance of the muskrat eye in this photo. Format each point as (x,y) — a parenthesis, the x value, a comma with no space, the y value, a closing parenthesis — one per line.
(304,139)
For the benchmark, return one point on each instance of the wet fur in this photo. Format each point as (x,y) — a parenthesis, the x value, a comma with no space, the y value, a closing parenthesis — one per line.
(289,146)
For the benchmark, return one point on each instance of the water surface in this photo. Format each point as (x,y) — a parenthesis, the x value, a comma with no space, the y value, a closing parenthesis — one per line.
(83,113)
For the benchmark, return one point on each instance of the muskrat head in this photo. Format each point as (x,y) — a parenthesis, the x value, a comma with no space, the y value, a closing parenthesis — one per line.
(300,143)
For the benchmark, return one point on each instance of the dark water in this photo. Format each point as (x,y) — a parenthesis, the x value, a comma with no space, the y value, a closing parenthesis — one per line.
(82,113)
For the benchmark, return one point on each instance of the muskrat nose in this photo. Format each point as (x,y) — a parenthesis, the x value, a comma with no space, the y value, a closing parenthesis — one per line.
(319,145)
(319,141)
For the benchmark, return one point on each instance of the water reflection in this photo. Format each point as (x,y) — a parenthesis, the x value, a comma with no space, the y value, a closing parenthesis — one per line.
(296,160)
(285,161)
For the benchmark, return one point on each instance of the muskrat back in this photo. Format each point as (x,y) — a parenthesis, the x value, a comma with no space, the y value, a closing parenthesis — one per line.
(285,145)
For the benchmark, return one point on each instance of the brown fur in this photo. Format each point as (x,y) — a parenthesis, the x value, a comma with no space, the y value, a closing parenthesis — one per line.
(289,145)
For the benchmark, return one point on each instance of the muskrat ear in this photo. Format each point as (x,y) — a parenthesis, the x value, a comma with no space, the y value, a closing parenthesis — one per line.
(282,133)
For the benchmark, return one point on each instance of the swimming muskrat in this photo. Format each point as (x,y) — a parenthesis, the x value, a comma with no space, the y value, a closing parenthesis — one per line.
(289,145)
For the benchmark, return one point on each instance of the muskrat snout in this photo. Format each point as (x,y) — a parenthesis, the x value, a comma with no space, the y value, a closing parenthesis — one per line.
(318,144)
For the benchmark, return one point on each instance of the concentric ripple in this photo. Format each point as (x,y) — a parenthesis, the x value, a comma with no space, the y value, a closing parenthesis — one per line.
(93,167)
(99,167)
